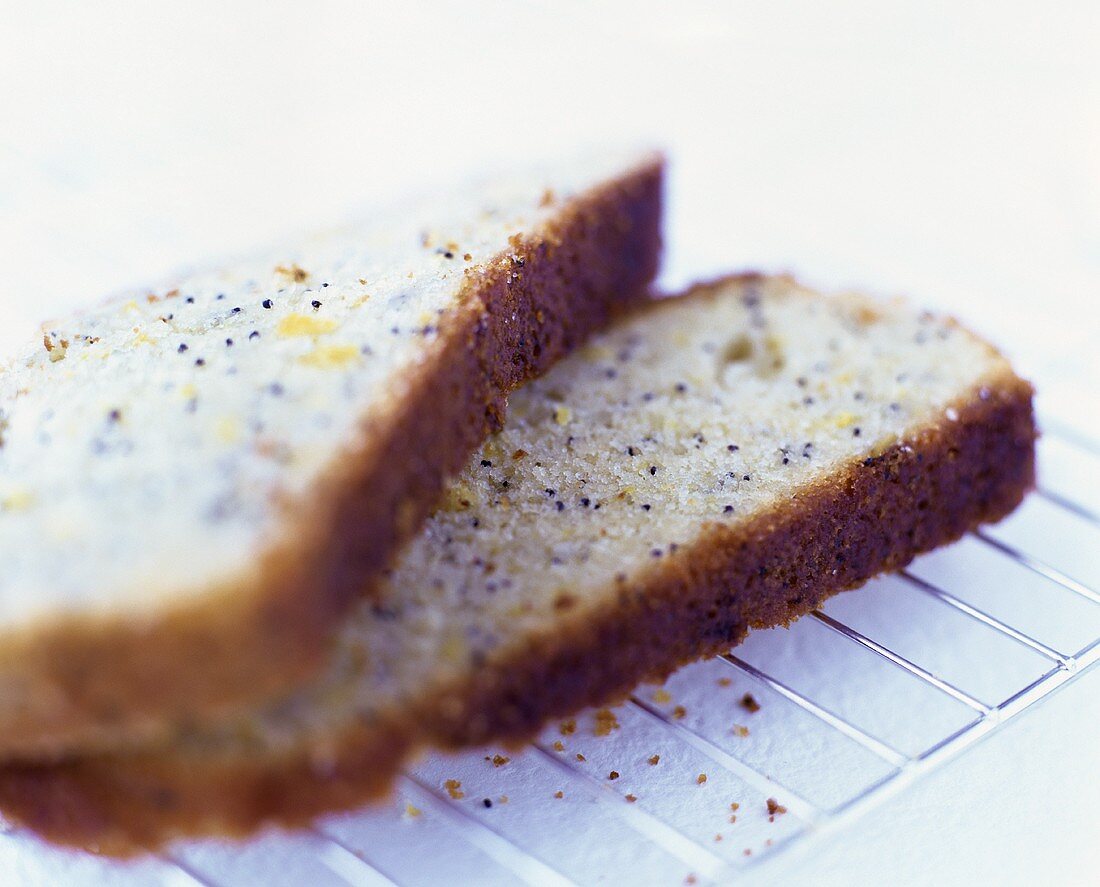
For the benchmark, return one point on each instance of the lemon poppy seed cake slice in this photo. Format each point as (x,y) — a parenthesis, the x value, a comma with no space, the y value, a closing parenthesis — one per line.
(719,461)
(195,483)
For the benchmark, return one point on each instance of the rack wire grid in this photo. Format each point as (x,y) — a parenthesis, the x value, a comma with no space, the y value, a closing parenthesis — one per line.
(829,718)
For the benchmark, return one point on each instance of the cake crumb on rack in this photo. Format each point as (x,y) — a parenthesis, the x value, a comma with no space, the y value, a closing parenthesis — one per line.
(749,703)
(605,722)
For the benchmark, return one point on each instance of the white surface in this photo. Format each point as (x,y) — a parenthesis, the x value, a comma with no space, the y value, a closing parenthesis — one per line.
(951,154)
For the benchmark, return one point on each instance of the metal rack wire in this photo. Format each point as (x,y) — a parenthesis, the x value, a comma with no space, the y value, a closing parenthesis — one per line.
(378,846)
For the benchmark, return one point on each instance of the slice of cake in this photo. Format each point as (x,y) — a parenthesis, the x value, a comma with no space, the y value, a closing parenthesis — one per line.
(197,482)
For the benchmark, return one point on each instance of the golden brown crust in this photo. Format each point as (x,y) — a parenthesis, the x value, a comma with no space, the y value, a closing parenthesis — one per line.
(875,516)
(87,684)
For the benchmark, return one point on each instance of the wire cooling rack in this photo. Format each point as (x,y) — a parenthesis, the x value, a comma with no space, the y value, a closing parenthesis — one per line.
(735,761)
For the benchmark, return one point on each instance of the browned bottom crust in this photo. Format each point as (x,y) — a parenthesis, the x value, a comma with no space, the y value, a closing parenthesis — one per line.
(86,685)
(875,516)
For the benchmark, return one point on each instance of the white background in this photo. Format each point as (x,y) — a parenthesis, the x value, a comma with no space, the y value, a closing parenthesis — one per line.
(946,151)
